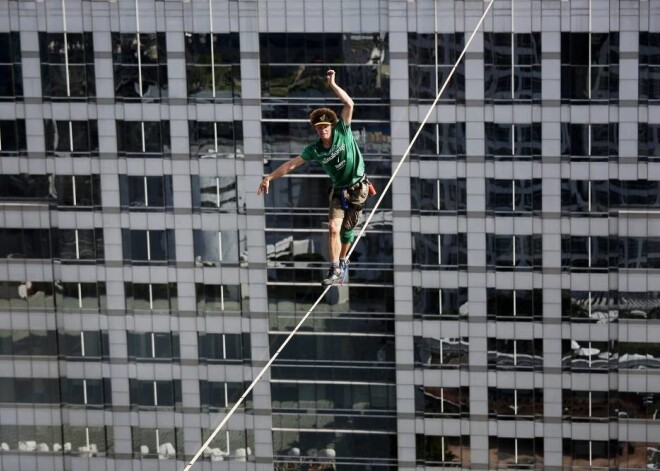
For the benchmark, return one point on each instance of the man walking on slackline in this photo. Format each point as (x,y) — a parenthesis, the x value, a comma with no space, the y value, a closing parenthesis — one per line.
(338,153)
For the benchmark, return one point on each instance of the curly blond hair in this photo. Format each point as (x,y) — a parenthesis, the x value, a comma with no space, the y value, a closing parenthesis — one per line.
(323,115)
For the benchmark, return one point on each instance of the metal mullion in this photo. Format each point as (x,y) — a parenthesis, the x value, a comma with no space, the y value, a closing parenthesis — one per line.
(222,298)
(80,295)
(73,186)
(139,53)
(85,391)
(153,345)
(148,246)
(220,246)
(146,191)
(66,50)
(151,296)
(75,231)
(217,189)
(70,132)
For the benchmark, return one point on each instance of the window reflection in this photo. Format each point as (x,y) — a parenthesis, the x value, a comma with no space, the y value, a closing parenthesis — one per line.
(140,66)
(25,187)
(514,305)
(590,66)
(513,141)
(591,356)
(444,141)
(13,140)
(141,297)
(520,252)
(224,348)
(213,66)
(431,195)
(25,243)
(512,71)
(217,193)
(153,346)
(649,65)
(431,58)
(220,396)
(213,248)
(588,306)
(442,402)
(519,196)
(444,451)
(161,443)
(510,354)
(639,305)
(587,405)
(148,246)
(84,345)
(140,193)
(589,454)
(217,299)
(515,453)
(78,192)
(80,296)
(446,303)
(71,138)
(11,87)
(149,139)
(216,139)
(360,60)
(67,65)
(586,252)
(146,394)
(447,250)
(28,342)
(515,404)
(79,245)
(441,353)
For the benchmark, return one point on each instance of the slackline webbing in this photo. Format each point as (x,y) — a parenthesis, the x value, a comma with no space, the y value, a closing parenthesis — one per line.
(364,227)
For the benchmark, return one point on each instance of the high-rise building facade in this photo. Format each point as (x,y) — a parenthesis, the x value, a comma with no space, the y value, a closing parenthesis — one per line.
(503,306)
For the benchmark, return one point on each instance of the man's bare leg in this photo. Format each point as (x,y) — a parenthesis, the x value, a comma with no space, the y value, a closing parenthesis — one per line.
(334,242)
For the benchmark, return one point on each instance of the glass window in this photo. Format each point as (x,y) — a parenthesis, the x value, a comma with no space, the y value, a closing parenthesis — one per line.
(26,243)
(441,353)
(77,296)
(293,65)
(639,304)
(79,245)
(430,195)
(162,393)
(78,192)
(512,63)
(86,344)
(218,395)
(160,443)
(588,306)
(23,186)
(431,58)
(210,139)
(587,196)
(589,66)
(510,354)
(519,196)
(148,246)
(67,66)
(649,65)
(146,139)
(523,252)
(28,342)
(589,142)
(587,405)
(140,66)
(324,448)
(153,346)
(593,454)
(444,141)
(11,69)
(71,138)
(224,348)
(515,453)
(586,252)
(145,193)
(442,402)
(217,299)
(143,297)
(217,193)
(213,247)
(589,357)
(515,404)
(446,303)
(514,305)
(213,67)
(86,392)
(513,141)
(447,250)
(443,451)
(13,140)
(648,141)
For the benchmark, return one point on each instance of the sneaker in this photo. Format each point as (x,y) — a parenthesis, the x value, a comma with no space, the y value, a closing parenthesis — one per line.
(334,275)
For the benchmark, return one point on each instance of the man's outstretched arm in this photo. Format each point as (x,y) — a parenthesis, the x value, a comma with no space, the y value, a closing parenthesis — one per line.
(347,111)
(286,167)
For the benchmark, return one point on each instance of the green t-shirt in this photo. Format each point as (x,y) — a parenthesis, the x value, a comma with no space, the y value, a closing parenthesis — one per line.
(343,161)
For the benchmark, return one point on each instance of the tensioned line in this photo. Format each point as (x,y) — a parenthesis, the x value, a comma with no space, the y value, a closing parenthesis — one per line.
(364,227)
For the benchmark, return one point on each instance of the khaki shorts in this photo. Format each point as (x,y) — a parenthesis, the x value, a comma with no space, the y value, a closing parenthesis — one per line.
(355,196)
